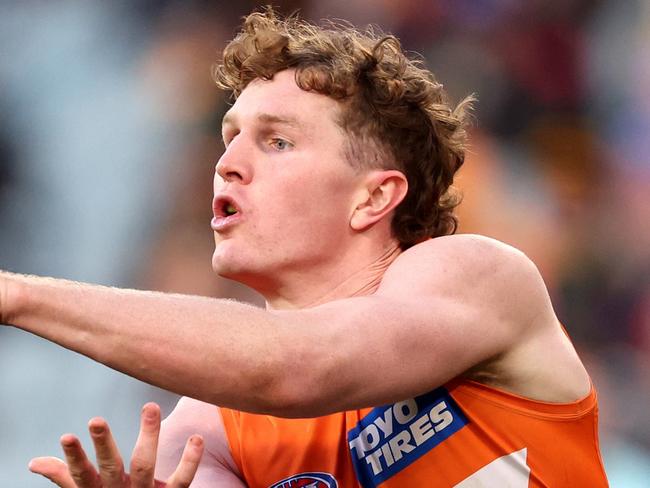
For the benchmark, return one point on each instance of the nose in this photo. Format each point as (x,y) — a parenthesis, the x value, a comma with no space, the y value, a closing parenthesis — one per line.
(234,164)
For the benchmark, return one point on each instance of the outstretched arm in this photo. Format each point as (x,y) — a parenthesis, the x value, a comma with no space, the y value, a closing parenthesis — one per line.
(435,300)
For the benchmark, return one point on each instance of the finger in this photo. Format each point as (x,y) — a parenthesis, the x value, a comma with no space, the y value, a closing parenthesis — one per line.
(143,459)
(184,474)
(109,461)
(81,469)
(54,470)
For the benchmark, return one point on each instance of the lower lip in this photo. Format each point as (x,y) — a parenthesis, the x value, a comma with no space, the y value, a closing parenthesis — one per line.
(219,224)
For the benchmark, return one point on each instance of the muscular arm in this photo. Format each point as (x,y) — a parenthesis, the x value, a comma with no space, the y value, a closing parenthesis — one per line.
(190,417)
(443,307)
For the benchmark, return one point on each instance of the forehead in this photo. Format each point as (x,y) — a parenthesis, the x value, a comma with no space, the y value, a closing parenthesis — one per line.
(283,99)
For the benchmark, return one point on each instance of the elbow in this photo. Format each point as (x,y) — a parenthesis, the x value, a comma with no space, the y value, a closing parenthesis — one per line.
(302,386)
(299,374)
(293,398)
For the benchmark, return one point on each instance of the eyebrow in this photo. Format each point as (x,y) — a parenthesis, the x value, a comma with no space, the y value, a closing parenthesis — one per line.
(230,119)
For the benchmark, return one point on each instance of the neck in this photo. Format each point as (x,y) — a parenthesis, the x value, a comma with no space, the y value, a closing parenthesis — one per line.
(349,277)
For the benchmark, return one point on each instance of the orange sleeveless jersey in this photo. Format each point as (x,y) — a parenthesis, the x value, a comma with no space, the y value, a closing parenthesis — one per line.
(462,435)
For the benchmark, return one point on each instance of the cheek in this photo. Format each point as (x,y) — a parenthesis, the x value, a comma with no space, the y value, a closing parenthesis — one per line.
(307,205)
(318,207)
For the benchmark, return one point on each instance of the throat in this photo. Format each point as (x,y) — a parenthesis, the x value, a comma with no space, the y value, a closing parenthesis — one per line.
(363,281)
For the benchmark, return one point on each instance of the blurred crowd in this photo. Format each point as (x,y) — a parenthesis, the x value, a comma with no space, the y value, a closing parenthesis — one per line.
(109,133)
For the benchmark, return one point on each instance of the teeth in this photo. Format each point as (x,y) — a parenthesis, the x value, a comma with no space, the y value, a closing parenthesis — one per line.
(230,209)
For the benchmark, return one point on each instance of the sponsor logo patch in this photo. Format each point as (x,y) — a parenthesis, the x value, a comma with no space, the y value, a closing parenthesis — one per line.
(392,437)
(308,480)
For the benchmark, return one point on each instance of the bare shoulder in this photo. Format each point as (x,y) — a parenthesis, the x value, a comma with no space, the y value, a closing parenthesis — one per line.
(508,296)
(475,276)
(464,251)
(466,264)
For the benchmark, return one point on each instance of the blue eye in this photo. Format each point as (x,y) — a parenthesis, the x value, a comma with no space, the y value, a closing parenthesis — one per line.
(281,144)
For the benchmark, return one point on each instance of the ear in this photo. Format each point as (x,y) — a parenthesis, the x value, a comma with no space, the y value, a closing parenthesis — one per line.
(381,193)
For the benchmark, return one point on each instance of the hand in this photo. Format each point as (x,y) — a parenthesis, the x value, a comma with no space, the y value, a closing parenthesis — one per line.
(79,472)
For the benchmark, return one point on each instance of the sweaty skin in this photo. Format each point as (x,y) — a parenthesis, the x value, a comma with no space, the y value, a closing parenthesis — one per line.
(312,234)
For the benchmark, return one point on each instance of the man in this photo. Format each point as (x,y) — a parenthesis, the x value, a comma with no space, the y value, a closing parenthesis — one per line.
(390,352)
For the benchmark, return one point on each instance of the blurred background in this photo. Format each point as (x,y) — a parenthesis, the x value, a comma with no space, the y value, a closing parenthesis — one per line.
(109,133)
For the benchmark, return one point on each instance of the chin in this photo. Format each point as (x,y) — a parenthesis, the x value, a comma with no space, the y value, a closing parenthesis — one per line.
(228,264)
(222,266)
(255,277)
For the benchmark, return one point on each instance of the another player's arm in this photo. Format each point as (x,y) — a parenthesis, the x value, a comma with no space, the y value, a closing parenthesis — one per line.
(442,308)
(190,417)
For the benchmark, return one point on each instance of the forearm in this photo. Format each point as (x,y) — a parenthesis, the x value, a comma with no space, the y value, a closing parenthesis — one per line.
(204,348)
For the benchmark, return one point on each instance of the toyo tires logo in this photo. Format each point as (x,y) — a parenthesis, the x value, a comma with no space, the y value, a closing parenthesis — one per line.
(307,480)
(391,438)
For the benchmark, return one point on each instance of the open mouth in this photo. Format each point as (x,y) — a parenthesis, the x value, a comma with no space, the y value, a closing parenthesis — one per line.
(226,213)
(229,209)
(225,207)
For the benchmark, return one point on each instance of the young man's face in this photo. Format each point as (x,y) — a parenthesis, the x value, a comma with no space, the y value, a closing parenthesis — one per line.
(283,189)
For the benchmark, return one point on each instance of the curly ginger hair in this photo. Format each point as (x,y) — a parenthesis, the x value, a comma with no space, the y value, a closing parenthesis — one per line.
(395,113)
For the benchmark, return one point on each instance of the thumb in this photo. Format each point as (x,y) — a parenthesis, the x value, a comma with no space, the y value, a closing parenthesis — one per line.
(54,470)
